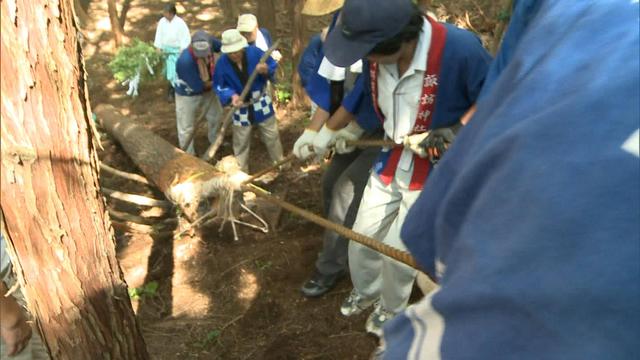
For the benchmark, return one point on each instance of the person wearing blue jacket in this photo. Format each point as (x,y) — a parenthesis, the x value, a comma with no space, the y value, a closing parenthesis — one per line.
(194,83)
(232,72)
(346,175)
(531,220)
(255,35)
(422,76)
(311,55)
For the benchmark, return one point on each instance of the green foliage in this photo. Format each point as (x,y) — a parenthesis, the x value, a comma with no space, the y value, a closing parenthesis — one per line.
(504,15)
(262,265)
(150,289)
(138,56)
(212,336)
(283,93)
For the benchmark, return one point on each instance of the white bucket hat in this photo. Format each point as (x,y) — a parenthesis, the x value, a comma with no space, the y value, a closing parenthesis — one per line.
(232,41)
(247,23)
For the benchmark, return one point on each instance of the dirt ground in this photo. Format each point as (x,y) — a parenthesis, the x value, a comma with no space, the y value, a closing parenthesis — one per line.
(218,298)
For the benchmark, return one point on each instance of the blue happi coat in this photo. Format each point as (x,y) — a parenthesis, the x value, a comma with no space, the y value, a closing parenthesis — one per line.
(464,66)
(531,219)
(227,83)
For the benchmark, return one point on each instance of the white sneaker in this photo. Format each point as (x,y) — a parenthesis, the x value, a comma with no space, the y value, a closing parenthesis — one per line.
(355,304)
(376,320)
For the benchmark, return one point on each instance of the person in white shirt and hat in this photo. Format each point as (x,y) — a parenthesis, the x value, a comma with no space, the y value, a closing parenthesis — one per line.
(232,72)
(172,36)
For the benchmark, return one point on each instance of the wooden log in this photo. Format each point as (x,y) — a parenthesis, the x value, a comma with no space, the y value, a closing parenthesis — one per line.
(141,220)
(123,174)
(184,179)
(140,228)
(136,199)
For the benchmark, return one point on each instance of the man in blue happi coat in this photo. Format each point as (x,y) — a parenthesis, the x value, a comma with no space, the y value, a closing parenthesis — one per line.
(194,95)
(531,220)
(422,76)
(232,72)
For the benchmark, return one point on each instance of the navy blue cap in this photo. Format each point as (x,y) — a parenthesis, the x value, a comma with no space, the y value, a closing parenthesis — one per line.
(362,25)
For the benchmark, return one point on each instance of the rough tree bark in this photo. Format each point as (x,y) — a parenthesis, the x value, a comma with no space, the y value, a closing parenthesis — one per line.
(56,224)
(297,47)
(267,15)
(116,27)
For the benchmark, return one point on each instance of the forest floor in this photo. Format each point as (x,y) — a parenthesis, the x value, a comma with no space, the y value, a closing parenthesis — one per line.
(217,298)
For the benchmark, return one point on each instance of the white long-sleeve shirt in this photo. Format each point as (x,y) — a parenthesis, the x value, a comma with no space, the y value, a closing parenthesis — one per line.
(398,97)
(174,33)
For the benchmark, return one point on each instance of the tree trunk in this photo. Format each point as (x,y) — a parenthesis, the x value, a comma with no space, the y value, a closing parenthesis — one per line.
(504,12)
(83,18)
(58,232)
(184,179)
(230,10)
(116,28)
(297,47)
(424,5)
(267,15)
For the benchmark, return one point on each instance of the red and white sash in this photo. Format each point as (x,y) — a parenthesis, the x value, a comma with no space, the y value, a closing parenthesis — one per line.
(426,108)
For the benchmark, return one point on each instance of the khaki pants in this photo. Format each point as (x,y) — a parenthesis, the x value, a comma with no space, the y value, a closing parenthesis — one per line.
(270,138)
(188,108)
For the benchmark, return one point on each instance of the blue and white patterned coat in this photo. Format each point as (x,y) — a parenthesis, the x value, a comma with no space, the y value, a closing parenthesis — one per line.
(227,83)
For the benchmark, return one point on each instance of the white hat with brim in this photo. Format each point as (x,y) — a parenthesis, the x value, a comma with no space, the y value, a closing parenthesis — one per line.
(233,41)
(247,23)
(321,7)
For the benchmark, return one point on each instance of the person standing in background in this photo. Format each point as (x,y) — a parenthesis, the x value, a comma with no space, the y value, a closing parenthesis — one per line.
(194,85)
(172,36)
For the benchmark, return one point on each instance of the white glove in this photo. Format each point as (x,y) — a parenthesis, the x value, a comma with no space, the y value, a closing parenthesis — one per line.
(325,139)
(351,132)
(412,142)
(276,55)
(301,147)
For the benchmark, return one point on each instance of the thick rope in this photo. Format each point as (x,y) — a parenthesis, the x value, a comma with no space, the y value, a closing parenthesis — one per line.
(372,143)
(276,165)
(401,256)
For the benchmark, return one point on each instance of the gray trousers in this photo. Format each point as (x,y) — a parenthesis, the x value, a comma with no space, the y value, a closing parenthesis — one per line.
(269,135)
(188,108)
(342,186)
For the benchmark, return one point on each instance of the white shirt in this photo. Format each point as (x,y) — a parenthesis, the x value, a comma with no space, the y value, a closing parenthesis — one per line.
(174,33)
(398,97)
(261,43)
(336,73)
